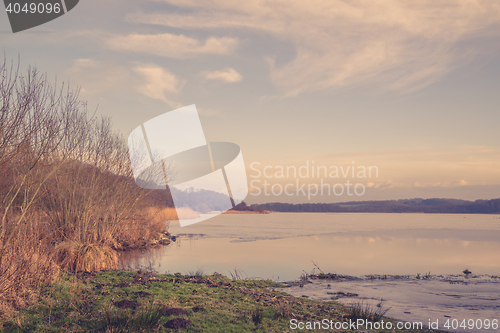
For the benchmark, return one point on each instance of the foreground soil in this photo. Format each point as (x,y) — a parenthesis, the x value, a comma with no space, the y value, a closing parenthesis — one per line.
(124,301)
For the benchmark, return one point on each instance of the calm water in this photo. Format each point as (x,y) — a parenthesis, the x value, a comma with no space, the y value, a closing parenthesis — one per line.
(438,299)
(281,246)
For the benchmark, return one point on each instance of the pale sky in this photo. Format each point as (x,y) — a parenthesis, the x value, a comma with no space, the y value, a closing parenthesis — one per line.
(411,87)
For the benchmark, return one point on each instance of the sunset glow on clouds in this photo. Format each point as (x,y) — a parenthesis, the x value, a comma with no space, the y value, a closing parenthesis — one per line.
(401,45)
(409,86)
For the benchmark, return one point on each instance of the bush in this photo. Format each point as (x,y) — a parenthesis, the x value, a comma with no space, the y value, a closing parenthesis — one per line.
(67,193)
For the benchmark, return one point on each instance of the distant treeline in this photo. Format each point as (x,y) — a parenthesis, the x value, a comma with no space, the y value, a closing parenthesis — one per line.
(243,207)
(450,206)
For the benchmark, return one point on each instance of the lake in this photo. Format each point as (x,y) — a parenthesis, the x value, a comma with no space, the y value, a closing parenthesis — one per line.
(282,246)
(411,264)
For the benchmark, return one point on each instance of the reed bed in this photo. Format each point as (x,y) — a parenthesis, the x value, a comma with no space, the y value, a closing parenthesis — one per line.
(67,195)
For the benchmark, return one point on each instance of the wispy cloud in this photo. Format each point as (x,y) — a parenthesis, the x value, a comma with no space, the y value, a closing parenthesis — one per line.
(394,45)
(97,77)
(159,83)
(172,46)
(227,75)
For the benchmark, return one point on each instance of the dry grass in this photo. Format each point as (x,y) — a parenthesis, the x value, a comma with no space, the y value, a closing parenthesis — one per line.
(85,257)
(187,213)
(360,310)
(161,215)
(26,265)
(31,259)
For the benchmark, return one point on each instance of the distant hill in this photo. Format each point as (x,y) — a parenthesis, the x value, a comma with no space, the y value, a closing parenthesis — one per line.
(448,206)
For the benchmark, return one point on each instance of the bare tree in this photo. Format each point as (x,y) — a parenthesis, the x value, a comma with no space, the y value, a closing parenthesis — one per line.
(67,192)
(35,119)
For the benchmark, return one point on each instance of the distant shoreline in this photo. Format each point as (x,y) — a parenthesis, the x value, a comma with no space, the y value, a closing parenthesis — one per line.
(417,205)
(246,212)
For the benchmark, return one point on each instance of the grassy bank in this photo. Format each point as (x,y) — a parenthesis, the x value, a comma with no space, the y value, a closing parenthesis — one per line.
(124,301)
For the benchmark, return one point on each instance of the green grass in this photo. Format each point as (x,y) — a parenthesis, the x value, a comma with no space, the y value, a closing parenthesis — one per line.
(86,303)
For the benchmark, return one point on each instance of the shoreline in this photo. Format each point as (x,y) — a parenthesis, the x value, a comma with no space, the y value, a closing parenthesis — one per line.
(438,299)
(122,300)
(246,212)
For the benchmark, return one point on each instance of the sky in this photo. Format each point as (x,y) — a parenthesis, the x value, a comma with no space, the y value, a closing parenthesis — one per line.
(408,87)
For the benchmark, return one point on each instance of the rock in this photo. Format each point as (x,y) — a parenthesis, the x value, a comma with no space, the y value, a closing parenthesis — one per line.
(178,323)
(164,241)
(126,304)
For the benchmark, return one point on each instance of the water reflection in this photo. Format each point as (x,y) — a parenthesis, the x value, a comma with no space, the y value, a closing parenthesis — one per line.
(384,249)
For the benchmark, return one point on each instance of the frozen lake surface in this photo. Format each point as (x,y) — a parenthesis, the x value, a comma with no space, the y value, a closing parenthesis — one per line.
(282,246)
(438,299)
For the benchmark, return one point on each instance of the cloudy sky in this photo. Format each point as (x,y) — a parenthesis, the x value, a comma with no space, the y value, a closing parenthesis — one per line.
(411,87)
